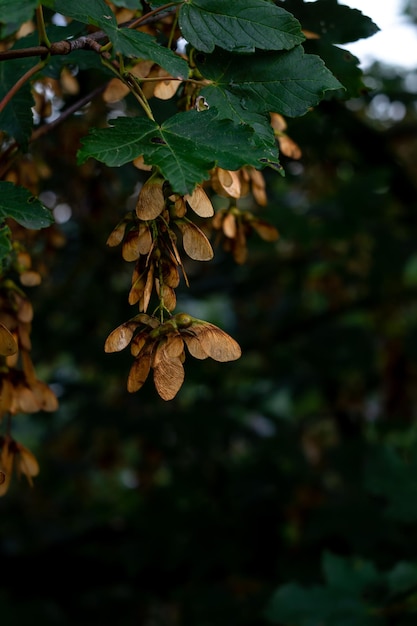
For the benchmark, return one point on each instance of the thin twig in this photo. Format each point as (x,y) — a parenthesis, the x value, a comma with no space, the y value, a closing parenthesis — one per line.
(19,83)
(148,17)
(49,126)
(33,51)
(46,128)
(84,42)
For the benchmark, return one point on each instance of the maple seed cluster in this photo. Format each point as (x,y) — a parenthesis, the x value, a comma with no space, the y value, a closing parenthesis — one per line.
(233,224)
(149,238)
(20,389)
(160,346)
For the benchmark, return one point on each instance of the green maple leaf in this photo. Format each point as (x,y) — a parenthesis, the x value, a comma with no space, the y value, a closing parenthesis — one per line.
(128,42)
(95,12)
(241,25)
(133,43)
(16,119)
(16,12)
(341,602)
(5,244)
(283,82)
(18,203)
(128,4)
(392,476)
(342,64)
(185,148)
(333,22)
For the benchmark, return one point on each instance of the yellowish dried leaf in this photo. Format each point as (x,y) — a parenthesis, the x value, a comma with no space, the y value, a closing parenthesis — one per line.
(140,164)
(117,234)
(278,123)
(259,195)
(174,346)
(11,361)
(257,178)
(230,182)
(239,247)
(141,69)
(200,202)
(147,292)
(69,83)
(266,231)
(23,331)
(168,376)
(130,247)
(137,289)
(151,201)
(195,242)
(229,225)
(145,239)
(116,90)
(25,29)
(26,463)
(46,398)
(5,484)
(148,86)
(170,273)
(24,261)
(6,462)
(138,342)
(147,320)
(24,400)
(180,208)
(28,367)
(194,346)
(289,147)
(139,371)
(244,187)
(216,343)
(167,88)
(123,14)
(6,396)
(25,309)
(258,186)
(309,34)
(8,344)
(217,220)
(174,249)
(30,278)
(120,337)
(167,294)
(43,107)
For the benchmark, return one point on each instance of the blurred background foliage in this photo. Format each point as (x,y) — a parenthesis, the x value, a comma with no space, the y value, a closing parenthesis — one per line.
(277,489)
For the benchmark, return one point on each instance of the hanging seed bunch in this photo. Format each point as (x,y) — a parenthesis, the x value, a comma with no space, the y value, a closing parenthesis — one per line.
(162,231)
(21,391)
(155,237)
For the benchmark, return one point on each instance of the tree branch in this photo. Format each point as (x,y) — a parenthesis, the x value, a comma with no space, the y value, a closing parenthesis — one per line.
(46,128)
(81,43)
(19,83)
(59,47)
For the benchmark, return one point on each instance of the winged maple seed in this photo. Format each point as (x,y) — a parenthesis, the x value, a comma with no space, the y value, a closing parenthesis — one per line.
(286,145)
(239,183)
(8,343)
(20,389)
(236,225)
(160,346)
(148,239)
(14,455)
